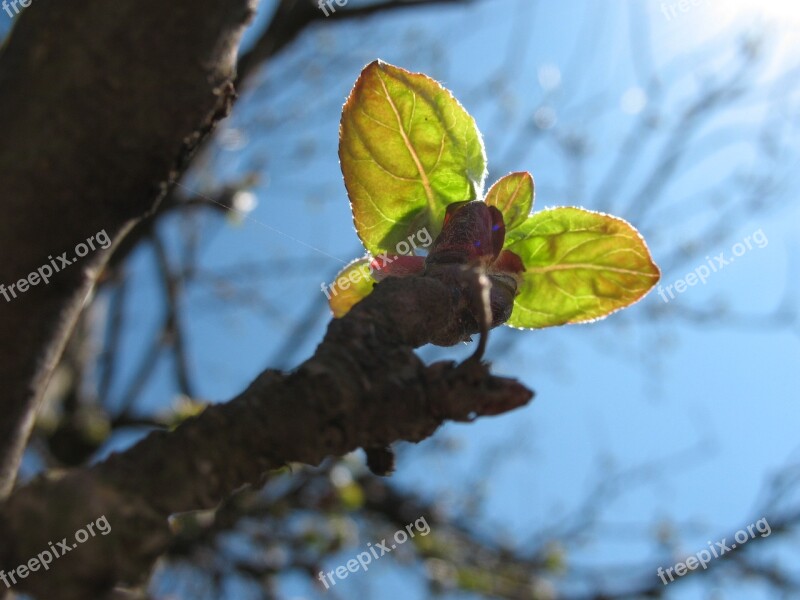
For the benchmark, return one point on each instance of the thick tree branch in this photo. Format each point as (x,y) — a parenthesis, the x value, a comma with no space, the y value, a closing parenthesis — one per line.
(99,111)
(364,387)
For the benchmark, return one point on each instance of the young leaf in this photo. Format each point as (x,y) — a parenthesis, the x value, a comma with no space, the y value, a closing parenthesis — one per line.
(355,281)
(513,195)
(579,266)
(407,150)
(352,284)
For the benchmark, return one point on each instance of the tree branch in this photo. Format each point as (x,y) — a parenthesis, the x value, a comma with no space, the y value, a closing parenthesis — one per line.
(364,387)
(294,16)
(93,133)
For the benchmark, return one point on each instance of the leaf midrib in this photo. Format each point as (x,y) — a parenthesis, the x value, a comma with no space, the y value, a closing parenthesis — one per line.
(426,184)
(569,266)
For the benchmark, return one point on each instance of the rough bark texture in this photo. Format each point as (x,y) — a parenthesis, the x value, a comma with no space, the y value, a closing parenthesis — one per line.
(99,109)
(364,387)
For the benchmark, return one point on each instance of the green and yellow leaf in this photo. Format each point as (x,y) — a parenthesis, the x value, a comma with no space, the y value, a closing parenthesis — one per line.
(580,266)
(407,150)
(352,284)
(513,196)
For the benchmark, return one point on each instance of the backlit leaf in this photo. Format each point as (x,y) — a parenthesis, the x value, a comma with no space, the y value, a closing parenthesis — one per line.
(579,266)
(407,150)
(352,284)
(513,195)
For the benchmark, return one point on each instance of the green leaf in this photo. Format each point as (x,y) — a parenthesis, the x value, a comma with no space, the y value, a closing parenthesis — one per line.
(407,150)
(352,284)
(513,196)
(579,266)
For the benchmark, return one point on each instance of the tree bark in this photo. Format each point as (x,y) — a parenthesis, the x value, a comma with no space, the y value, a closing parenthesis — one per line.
(364,387)
(100,107)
